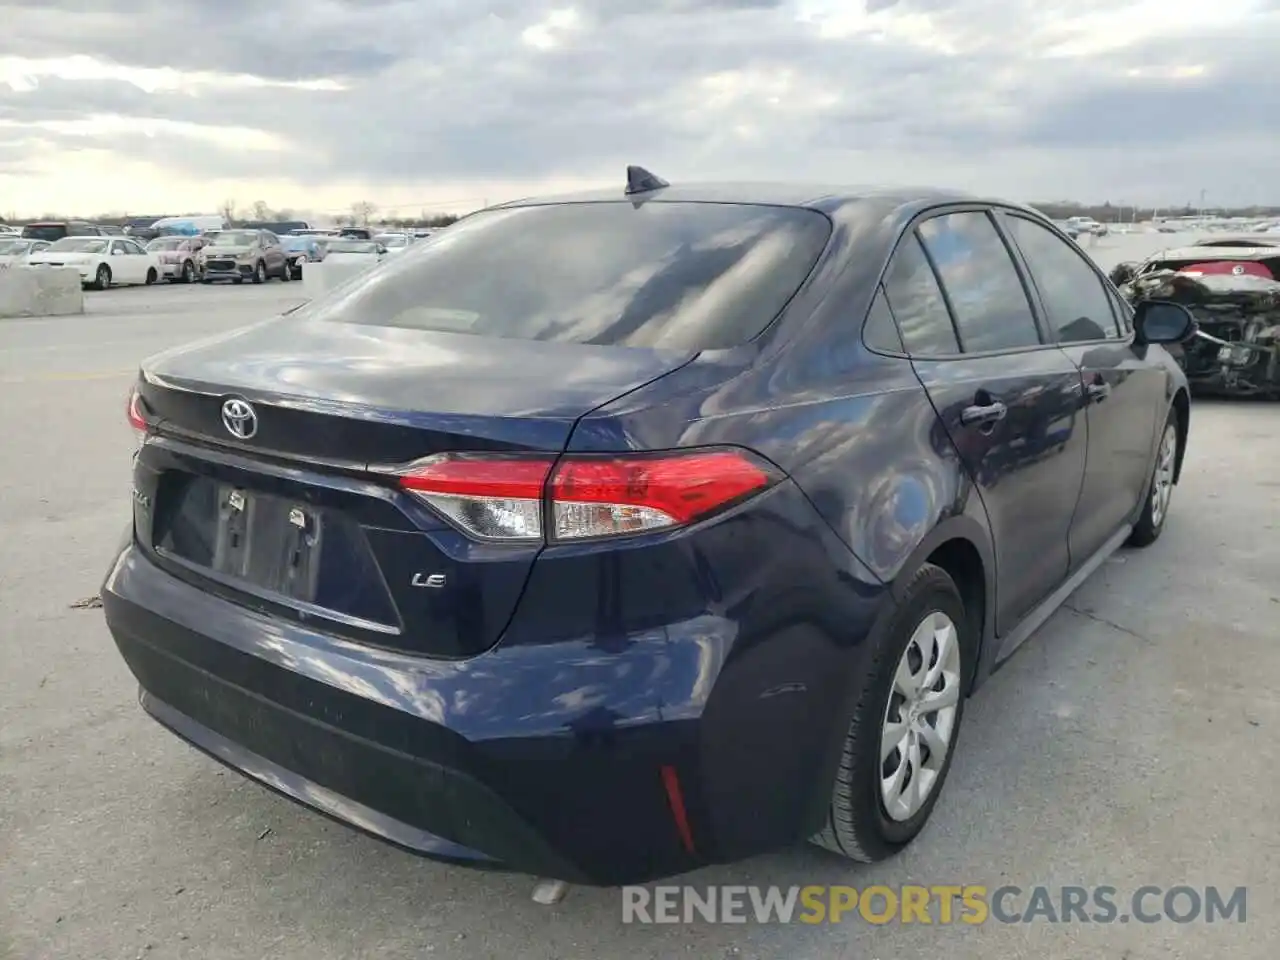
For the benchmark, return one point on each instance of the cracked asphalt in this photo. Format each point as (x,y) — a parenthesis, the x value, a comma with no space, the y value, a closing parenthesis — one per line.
(1132,741)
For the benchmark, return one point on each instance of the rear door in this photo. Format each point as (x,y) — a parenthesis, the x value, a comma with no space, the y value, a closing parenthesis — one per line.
(1009,401)
(1125,393)
(124,268)
(274,253)
(143,260)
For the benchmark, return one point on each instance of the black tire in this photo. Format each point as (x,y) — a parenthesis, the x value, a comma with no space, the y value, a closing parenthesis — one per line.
(296,270)
(102,279)
(1155,510)
(859,826)
(260,272)
(152,276)
(206,280)
(188,272)
(286,272)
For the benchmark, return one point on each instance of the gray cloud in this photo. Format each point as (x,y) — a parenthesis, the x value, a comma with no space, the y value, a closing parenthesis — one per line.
(448,91)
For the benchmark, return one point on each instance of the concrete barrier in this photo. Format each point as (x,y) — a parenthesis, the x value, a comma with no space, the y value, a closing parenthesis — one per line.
(319,278)
(40,292)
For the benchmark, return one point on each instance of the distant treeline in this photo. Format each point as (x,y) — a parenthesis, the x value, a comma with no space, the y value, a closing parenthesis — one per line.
(123,220)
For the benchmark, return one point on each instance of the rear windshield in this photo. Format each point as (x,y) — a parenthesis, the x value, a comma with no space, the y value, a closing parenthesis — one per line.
(693,276)
(352,246)
(166,243)
(45,231)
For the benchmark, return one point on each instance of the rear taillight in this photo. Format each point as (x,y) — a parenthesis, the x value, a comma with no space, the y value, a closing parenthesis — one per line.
(580,497)
(492,498)
(136,418)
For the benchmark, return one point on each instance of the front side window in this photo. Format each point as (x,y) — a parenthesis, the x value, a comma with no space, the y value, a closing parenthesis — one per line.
(687,276)
(982,284)
(1073,294)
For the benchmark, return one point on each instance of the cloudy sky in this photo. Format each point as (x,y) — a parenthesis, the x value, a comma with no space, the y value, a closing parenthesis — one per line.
(176,105)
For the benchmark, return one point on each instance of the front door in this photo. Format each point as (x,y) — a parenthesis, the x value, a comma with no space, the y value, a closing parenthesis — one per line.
(1009,402)
(1125,395)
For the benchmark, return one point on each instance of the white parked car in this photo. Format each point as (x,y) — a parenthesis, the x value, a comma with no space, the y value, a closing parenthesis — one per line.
(15,250)
(102,261)
(394,242)
(344,250)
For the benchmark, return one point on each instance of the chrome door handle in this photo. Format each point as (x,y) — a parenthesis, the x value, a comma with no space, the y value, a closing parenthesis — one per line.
(983,413)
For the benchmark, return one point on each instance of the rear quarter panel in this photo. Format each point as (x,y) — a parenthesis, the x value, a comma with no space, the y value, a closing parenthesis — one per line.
(877,474)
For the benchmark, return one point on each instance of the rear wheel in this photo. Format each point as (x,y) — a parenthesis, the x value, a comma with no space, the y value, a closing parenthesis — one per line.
(1155,510)
(188,271)
(898,748)
(102,279)
(152,276)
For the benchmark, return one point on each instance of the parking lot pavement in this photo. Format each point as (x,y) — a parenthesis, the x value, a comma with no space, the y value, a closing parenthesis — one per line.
(1132,741)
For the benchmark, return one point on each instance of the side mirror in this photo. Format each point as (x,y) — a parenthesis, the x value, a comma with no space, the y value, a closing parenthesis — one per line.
(1160,321)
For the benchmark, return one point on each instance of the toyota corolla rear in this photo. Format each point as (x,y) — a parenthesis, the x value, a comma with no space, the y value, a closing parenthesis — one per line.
(374,566)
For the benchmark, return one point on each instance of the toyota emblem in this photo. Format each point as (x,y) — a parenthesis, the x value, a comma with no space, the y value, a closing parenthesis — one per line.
(239,418)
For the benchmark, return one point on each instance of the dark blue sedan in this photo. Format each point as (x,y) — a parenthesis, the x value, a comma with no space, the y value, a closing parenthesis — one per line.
(611,535)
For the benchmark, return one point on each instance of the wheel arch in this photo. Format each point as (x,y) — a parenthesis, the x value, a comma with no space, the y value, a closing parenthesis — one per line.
(960,546)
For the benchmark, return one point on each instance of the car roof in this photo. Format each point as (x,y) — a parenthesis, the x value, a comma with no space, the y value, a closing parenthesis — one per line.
(1241,240)
(1247,250)
(824,197)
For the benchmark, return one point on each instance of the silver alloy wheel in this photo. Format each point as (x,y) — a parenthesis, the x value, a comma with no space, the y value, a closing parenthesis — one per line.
(1162,482)
(920,719)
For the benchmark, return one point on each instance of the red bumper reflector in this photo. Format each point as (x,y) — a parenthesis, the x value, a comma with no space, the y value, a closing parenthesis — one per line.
(671,780)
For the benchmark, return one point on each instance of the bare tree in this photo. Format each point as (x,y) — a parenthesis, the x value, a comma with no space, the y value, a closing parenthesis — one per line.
(228,210)
(363,211)
(261,211)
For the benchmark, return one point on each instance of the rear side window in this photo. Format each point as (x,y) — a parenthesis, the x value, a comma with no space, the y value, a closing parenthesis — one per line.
(689,276)
(917,303)
(1073,294)
(880,333)
(982,284)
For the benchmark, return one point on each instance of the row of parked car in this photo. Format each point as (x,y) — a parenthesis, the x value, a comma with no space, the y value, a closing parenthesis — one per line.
(235,255)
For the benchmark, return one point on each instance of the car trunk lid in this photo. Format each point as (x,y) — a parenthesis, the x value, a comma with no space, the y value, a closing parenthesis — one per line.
(298,519)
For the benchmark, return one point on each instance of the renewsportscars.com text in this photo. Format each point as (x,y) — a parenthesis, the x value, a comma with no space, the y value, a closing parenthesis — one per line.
(941,904)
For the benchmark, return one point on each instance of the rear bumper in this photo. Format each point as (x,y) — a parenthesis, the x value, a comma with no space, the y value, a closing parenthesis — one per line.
(452,760)
(550,753)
